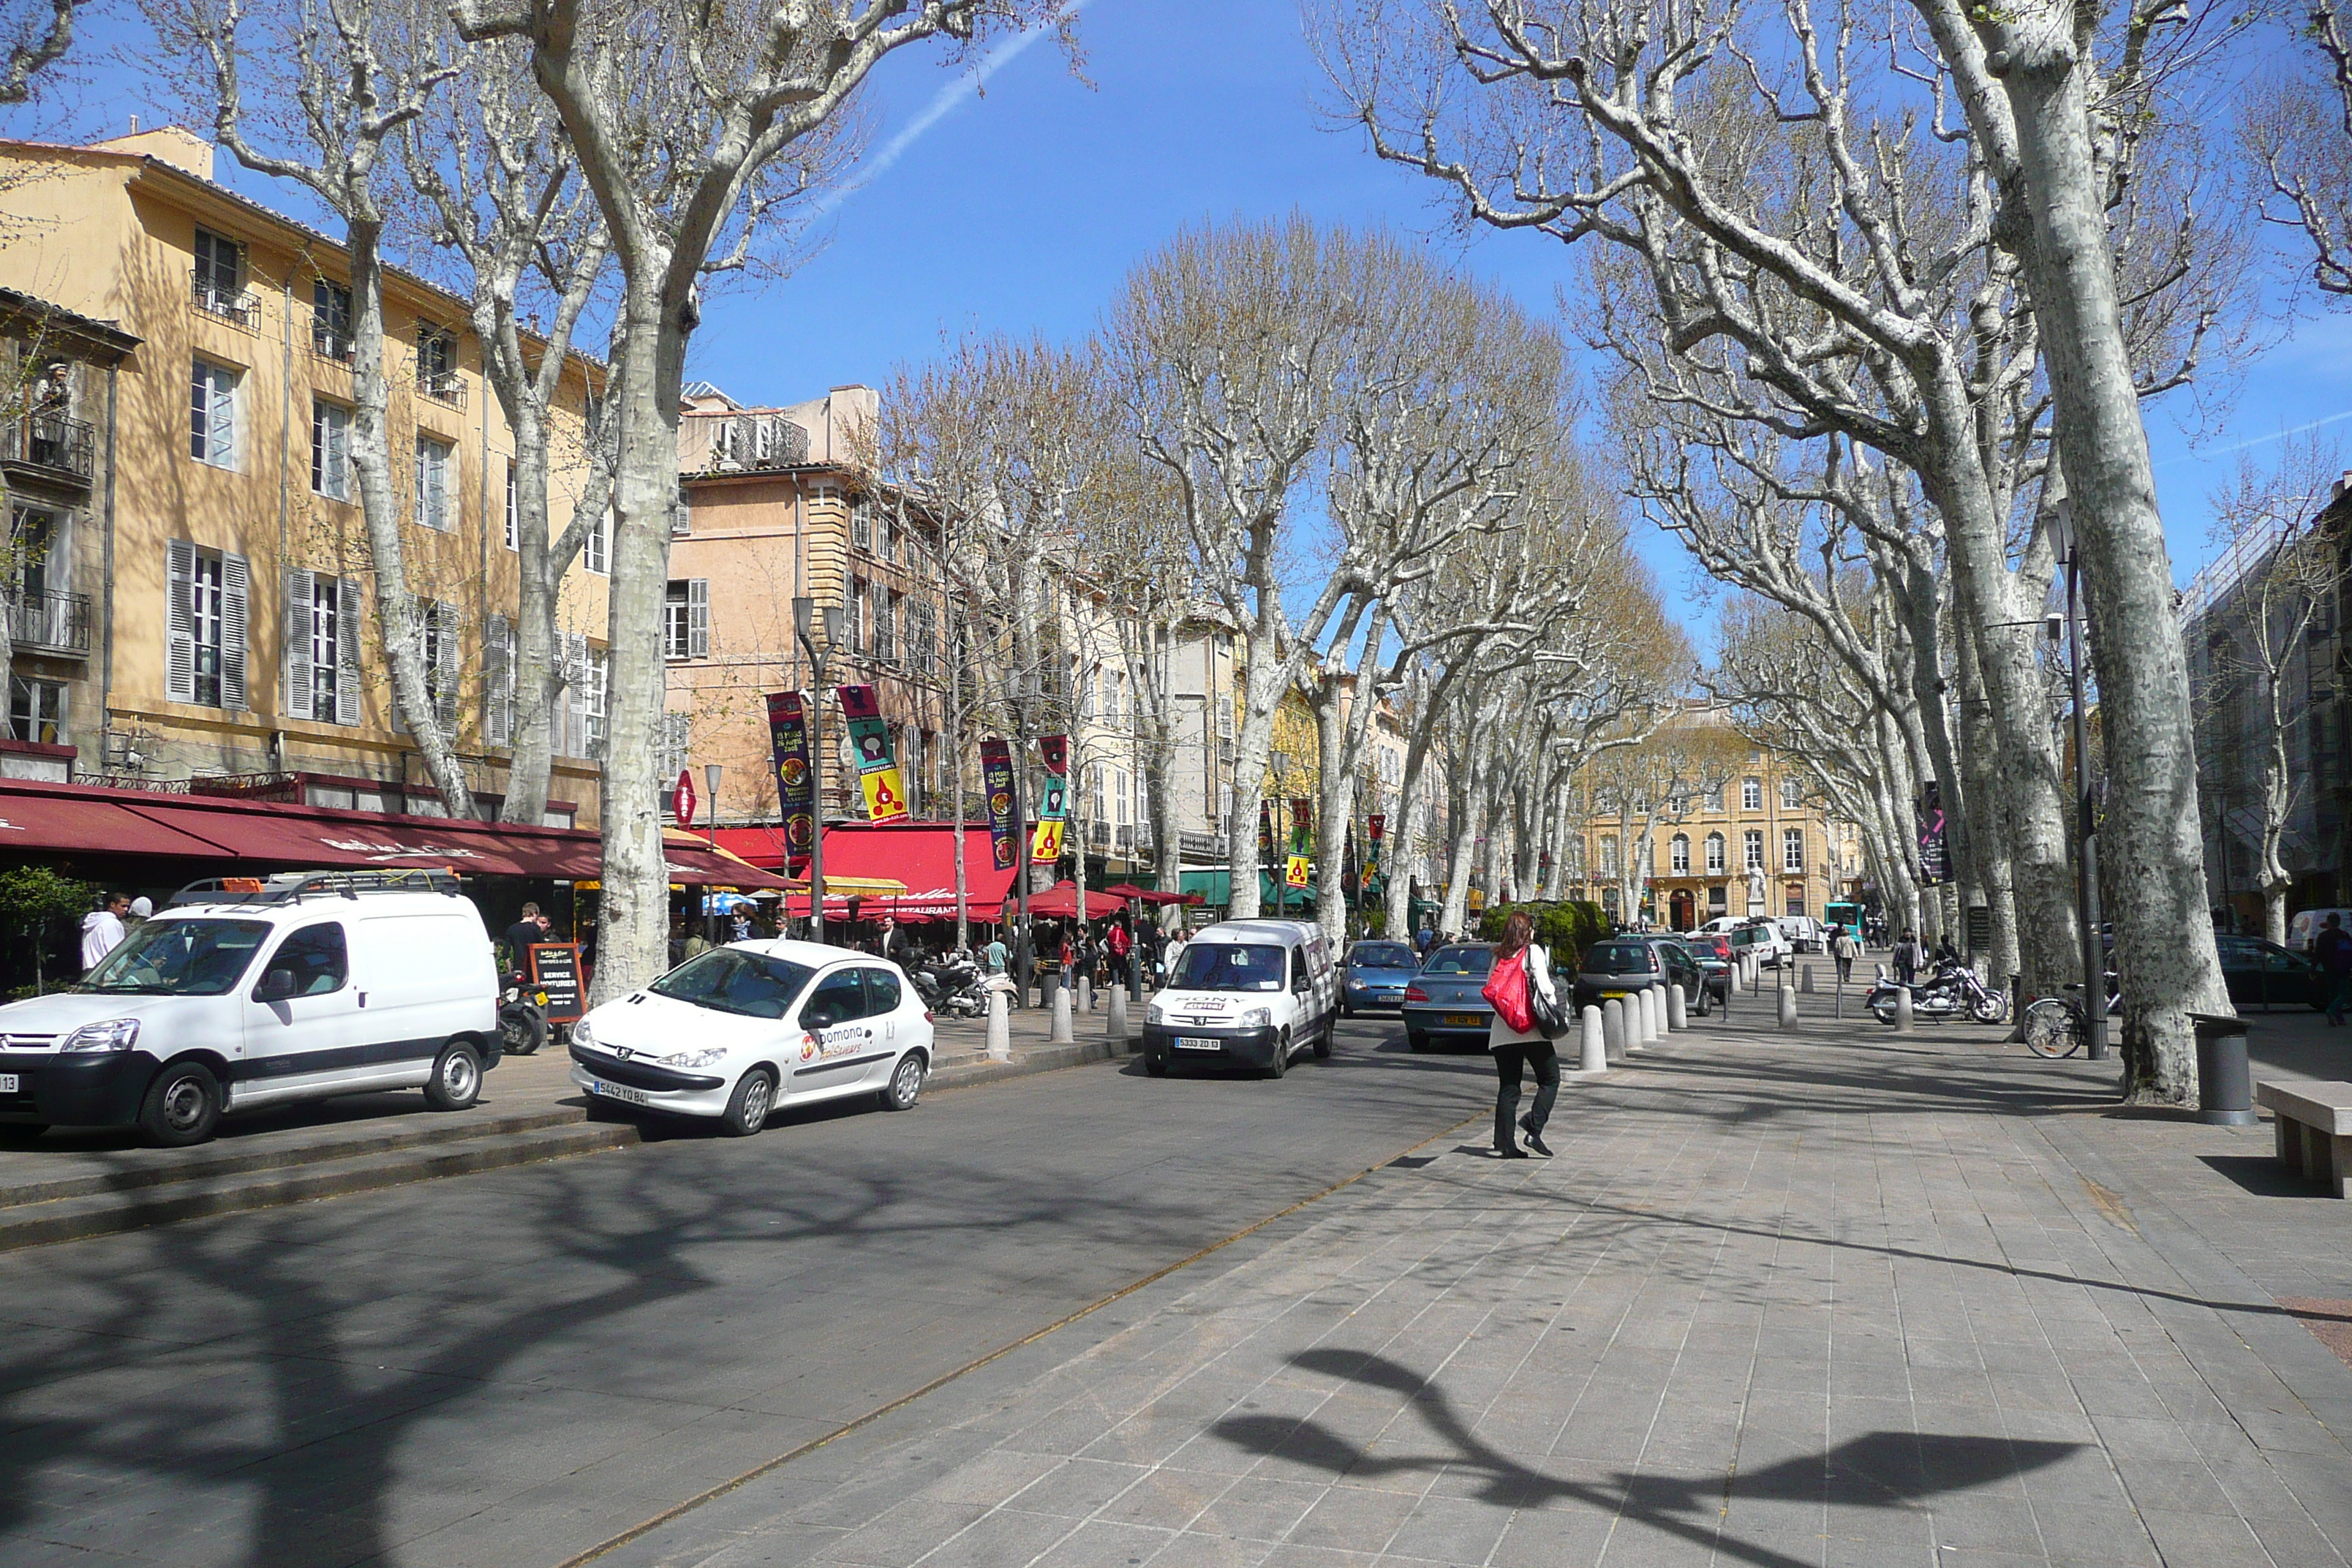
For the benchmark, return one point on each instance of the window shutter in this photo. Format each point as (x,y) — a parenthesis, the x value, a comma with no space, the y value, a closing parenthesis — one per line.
(223,430)
(446,667)
(575,695)
(301,609)
(697,618)
(348,612)
(497,683)
(180,623)
(236,592)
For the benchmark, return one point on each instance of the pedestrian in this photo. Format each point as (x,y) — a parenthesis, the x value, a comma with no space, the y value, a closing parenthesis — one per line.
(1171,957)
(1425,938)
(1521,965)
(1844,949)
(993,958)
(102,930)
(142,908)
(1945,951)
(895,941)
(1908,956)
(520,937)
(2333,948)
(1121,946)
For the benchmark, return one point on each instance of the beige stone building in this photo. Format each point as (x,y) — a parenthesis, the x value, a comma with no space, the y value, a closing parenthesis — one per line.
(211,550)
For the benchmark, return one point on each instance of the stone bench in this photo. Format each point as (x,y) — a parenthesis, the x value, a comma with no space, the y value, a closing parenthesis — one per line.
(2315,1129)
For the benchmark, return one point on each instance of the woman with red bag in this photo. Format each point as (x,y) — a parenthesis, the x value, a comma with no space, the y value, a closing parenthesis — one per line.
(1521,966)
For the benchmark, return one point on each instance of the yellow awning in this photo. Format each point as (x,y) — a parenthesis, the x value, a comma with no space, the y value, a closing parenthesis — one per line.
(863,886)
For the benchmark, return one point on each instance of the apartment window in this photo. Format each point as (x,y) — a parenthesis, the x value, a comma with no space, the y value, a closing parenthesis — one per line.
(1754,844)
(498,681)
(600,681)
(1608,855)
(514,511)
(1714,854)
(1796,900)
(436,365)
(439,646)
(853,616)
(1715,799)
(331,450)
(35,545)
(36,711)
(1678,855)
(681,514)
(331,321)
(886,538)
(923,636)
(596,549)
(885,626)
(861,524)
(1792,793)
(433,460)
(1793,849)
(686,619)
(220,280)
(1751,794)
(322,647)
(207,593)
(212,414)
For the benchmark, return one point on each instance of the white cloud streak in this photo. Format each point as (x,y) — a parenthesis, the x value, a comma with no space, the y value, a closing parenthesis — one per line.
(2253,441)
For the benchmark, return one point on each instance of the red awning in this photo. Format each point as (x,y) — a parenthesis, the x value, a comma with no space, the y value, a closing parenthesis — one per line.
(699,865)
(920,854)
(1060,902)
(53,818)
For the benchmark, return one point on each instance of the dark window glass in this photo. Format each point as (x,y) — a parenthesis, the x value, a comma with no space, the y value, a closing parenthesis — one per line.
(1620,958)
(881,991)
(1229,967)
(1381,955)
(838,998)
(1461,961)
(310,962)
(180,957)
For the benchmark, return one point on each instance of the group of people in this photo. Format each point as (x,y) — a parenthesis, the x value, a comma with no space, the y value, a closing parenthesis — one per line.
(1123,950)
(103,929)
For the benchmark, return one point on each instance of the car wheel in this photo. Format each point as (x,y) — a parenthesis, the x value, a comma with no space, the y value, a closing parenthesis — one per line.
(1347,1009)
(181,1106)
(906,1083)
(1323,1041)
(1415,1040)
(21,1134)
(456,1081)
(747,1106)
(1281,1063)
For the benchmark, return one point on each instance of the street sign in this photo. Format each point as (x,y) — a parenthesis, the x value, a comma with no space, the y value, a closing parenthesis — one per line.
(682,803)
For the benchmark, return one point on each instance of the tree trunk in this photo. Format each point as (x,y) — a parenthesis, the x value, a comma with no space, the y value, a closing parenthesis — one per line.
(2164,937)
(538,673)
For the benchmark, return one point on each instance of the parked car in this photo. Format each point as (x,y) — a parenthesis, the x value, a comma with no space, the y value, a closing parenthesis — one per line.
(2265,975)
(1249,994)
(1803,932)
(1713,957)
(1376,974)
(1443,1000)
(747,1029)
(245,992)
(1765,940)
(1617,968)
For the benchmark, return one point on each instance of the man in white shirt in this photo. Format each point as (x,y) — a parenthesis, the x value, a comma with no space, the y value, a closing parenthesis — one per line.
(101,931)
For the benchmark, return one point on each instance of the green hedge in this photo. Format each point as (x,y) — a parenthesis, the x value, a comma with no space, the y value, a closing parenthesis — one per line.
(1568,930)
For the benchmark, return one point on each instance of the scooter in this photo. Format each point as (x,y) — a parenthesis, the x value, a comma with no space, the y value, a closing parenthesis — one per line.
(522,1018)
(953,987)
(1953,990)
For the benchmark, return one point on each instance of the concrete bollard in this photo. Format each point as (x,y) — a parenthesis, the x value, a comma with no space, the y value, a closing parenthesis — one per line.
(1118,1029)
(1642,1024)
(1788,1008)
(1000,1027)
(1903,1009)
(1678,1015)
(1805,979)
(1085,993)
(1612,1030)
(1061,1035)
(1596,1044)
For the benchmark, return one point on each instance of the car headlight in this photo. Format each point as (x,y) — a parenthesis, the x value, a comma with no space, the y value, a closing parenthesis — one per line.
(1154,1015)
(701,1058)
(582,1035)
(113,1035)
(1256,1018)
(1355,986)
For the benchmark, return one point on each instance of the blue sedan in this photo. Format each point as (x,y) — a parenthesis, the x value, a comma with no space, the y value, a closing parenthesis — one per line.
(1375,975)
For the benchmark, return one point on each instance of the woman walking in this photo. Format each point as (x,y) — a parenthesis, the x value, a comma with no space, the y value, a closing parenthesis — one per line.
(1520,966)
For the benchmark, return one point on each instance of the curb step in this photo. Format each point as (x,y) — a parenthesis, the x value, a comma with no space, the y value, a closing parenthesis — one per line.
(110,1213)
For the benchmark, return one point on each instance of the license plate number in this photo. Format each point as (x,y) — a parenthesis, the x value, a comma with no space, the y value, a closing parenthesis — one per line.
(1465,1018)
(621,1092)
(8,1083)
(1196,1044)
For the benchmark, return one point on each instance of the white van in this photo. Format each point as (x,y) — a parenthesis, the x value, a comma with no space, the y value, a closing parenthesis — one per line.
(2305,925)
(243,992)
(1245,994)
(1803,933)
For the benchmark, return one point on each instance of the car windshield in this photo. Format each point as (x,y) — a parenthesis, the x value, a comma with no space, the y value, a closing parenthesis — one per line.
(1381,955)
(1618,958)
(1461,961)
(735,980)
(1229,967)
(179,958)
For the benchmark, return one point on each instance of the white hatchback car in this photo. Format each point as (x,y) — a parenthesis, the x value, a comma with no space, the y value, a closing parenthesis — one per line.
(739,1031)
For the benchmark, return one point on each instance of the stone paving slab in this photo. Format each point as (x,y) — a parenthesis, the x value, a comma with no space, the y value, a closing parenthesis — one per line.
(1823,1298)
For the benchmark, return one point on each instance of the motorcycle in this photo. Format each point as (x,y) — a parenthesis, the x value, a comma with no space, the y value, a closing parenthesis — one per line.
(951,986)
(1951,991)
(522,1018)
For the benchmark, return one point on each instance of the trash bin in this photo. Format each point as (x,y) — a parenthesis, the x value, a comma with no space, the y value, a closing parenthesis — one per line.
(2225,1089)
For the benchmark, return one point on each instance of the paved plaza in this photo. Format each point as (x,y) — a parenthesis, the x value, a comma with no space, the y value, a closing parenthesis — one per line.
(1824,1299)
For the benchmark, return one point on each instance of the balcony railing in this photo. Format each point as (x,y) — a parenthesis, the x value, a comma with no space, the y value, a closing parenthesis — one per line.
(750,441)
(51,623)
(50,441)
(240,306)
(1098,835)
(442,386)
(328,343)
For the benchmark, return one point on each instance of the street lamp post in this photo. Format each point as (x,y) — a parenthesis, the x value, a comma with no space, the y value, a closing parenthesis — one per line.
(803,624)
(2086,862)
(711,917)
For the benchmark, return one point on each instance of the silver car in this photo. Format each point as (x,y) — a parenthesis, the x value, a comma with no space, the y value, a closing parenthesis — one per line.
(1443,1000)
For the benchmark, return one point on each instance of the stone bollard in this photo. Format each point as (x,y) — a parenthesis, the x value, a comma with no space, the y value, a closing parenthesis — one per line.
(1788,1008)
(1903,1009)
(1612,1030)
(1118,1029)
(1000,1027)
(1677,1017)
(1085,993)
(1061,1035)
(1642,1024)
(1805,979)
(1596,1043)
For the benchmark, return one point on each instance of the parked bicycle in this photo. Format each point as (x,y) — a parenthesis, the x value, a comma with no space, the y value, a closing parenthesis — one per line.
(2056,1027)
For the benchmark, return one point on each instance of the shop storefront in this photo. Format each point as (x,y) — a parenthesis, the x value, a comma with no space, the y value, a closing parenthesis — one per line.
(920,854)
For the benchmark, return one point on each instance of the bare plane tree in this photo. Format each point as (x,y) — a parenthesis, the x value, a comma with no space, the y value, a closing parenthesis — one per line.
(2298,126)
(38,34)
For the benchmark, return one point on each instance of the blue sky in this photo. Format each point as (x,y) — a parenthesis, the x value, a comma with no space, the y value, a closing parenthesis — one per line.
(1022,208)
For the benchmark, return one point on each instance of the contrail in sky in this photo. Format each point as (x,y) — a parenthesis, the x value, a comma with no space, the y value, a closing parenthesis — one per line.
(2256,440)
(963,89)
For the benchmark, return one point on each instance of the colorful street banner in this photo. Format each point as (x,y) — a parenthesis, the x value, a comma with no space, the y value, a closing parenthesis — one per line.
(870,741)
(1294,873)
(1053,801)
(1047,847)
(1369,872)
(795,781)
(1264,833)
(996,777)
(1934,859)
(1302,827)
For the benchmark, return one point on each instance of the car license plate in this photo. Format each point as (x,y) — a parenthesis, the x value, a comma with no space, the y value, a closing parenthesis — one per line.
(1613,996)
(1193,1043)
(7,1083)
(1465,1018)
(620,1091)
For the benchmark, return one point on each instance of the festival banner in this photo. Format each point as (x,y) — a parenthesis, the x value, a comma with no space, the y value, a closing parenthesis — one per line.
(1302,842)
(1369,872)
(996,778)
(870,740)
(795,781)
(1054,801)
(1935,861)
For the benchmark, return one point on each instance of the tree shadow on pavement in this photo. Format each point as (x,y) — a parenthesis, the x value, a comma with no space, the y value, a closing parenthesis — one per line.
(1876,1469)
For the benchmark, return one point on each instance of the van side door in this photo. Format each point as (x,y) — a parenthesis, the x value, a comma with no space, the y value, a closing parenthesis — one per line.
(422,976)
(303,1030)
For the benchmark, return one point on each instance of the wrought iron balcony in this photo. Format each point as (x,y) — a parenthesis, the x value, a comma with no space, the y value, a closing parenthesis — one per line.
(50,441)
(442,386)
(51,623)
(239,306)
(330,344)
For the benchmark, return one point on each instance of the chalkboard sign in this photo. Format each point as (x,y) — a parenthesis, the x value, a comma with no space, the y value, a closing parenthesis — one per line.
(555,969)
